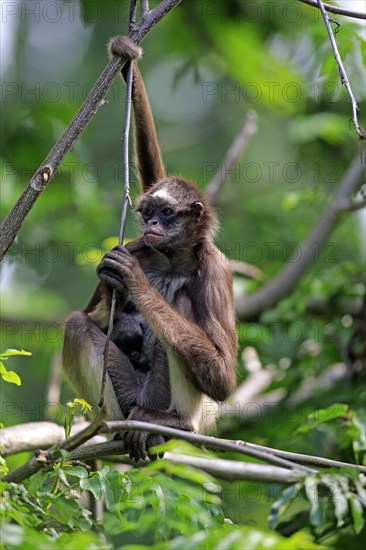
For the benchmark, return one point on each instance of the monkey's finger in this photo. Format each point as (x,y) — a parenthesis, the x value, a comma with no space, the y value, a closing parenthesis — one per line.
(110,269)
(109,262)
(117,264)
(121,249)
(153,441)
(119,261)
(135,444)
(114,282)
(138,450)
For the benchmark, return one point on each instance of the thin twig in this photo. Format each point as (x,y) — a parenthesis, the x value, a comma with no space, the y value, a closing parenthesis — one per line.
(342,72)
(11,224)
(336,9)
(126,198)
(241,141)
(144,8)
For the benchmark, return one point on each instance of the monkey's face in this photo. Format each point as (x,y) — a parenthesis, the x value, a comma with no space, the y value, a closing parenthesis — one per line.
(172,213)
(162,224)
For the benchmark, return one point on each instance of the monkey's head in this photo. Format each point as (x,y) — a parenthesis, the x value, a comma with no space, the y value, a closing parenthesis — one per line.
(175,216)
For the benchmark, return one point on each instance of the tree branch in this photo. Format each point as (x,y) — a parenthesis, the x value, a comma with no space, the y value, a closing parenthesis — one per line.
(238,446)
(353,205)
(342,72)
(293,462)
(144,8)
(252,306)
(45,458)
(36,435)
(12,223)
(336,9)
(243,268)
(229,470)
(247,131)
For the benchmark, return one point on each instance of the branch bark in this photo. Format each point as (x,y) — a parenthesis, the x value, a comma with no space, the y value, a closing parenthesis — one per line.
(250,307)
(45,458)
(229,470)
(12,223)
(248,129)
(342,72)
(336,9)
(291,462)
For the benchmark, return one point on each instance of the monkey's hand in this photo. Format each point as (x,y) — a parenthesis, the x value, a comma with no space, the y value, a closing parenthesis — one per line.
(119,269)
(138,444)
(124,47)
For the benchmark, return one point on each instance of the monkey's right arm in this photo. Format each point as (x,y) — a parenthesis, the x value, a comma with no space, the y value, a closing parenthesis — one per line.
(149,162)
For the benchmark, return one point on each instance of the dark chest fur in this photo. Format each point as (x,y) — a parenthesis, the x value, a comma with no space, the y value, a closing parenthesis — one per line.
(139,343)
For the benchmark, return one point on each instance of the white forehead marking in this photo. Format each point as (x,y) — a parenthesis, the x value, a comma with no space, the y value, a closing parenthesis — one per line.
(163,194)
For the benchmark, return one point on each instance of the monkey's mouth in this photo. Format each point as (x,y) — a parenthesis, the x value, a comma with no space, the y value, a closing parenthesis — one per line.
(151,234)
(152,238)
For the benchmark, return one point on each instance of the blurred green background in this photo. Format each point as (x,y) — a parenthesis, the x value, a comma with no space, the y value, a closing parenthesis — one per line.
(205,65)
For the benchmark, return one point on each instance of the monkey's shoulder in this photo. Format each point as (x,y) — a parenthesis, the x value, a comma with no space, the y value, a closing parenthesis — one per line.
(215,266)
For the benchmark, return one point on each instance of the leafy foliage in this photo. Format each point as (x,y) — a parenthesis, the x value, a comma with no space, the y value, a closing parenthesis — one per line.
(232,55)
(171,506)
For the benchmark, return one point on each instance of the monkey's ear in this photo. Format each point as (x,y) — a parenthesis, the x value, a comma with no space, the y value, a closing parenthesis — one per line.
(197,208)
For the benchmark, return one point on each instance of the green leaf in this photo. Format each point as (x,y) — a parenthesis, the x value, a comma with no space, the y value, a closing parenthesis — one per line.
(356,513)
(339,499)
(93,485)
(85,407)
(321,416)
(333,412)
(282,503)
(115,486)
(11,352)
(78,471)
(330,127)
(311,490)
(9,376)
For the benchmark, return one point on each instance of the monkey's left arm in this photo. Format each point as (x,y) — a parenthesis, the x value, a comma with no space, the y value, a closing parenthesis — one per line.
(206,352)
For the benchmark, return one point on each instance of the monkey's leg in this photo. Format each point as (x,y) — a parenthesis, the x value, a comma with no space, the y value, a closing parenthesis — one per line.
(83,364)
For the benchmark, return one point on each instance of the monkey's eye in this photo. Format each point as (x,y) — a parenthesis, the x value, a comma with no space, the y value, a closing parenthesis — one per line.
(167,211)
(148,211)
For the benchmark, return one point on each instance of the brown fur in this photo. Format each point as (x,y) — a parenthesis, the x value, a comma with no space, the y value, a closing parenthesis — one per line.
(176,287)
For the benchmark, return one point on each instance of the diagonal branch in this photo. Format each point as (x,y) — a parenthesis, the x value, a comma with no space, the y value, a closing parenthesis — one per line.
(12,223)
(342,72)
(251,306)
(247,131)
(336,9)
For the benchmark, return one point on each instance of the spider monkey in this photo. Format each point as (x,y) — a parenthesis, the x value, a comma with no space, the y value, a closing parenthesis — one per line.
(173,349)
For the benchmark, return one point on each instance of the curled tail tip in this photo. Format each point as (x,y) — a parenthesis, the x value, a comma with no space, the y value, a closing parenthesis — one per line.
(124,47)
